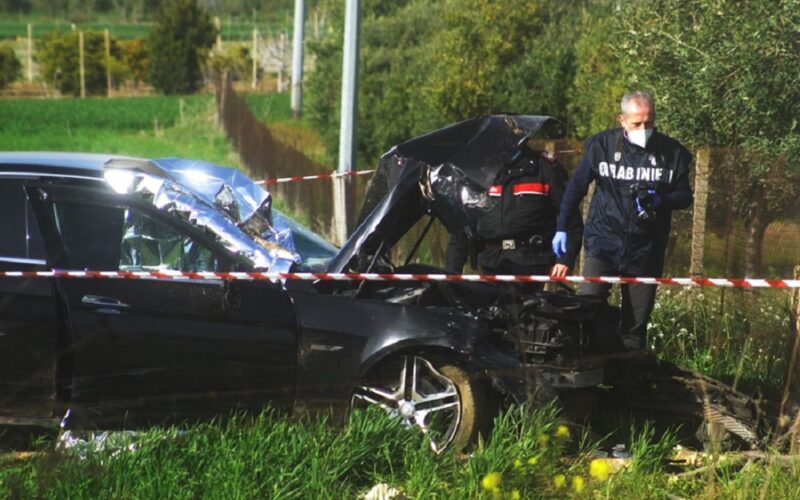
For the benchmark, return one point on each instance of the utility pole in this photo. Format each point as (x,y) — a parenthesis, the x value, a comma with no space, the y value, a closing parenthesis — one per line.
(81,69)
(297,61)
(348,117)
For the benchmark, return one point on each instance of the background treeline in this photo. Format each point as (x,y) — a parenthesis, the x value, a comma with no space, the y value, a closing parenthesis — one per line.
(175,57)
(139,10)
(724,73)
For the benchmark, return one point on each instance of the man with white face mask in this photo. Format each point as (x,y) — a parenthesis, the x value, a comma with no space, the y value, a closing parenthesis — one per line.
(641,176)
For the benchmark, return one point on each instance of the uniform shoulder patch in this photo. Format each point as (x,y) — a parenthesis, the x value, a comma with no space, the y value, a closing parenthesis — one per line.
(547,155)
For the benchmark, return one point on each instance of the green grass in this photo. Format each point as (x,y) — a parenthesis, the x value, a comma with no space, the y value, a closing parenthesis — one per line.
(531,455)
(230,29)
(270,108)
(739,335)
(142,126)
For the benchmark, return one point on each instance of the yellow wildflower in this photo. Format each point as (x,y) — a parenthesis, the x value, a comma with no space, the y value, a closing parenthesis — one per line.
(516,495)
(599,469)
(562,432)
(533,460)
(543,439)
(517,463)
(559,481)
(491,481)
(578,484)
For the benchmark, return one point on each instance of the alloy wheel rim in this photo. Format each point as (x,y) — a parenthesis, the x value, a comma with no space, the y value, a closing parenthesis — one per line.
(421,397)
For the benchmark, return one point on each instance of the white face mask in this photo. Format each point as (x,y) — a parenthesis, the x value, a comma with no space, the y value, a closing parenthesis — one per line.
(640,136)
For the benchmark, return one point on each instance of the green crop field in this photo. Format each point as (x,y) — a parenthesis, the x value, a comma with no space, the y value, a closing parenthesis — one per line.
(150,126)
(230,29)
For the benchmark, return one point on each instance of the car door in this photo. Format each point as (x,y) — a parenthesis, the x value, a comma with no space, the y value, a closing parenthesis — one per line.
(28,316)
(150,349)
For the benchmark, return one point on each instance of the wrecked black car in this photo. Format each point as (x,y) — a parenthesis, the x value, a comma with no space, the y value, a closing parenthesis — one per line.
(178,343)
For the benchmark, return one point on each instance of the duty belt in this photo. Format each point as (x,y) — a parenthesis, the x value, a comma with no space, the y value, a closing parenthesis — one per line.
(535,242)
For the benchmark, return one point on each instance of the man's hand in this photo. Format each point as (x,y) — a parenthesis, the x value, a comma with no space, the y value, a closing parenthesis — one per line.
(559,271)
(560,244)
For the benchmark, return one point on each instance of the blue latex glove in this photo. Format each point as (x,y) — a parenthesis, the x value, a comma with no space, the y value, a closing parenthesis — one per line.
(655,199)
(560,244)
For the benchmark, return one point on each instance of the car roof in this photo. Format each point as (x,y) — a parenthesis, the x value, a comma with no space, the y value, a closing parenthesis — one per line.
(66,163)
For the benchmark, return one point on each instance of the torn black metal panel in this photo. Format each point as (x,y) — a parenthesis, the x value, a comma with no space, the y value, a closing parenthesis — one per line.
(478,147)
(662,390)
(446,172)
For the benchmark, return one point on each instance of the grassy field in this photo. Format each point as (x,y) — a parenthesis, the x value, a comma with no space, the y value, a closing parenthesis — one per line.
(12,27)
(531,455)
(153,126)
(149,127)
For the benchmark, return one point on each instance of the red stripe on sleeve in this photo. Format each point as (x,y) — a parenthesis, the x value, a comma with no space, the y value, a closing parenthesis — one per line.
(531,188)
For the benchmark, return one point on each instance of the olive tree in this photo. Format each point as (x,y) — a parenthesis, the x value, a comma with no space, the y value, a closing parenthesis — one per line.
(10,67)
(726,74)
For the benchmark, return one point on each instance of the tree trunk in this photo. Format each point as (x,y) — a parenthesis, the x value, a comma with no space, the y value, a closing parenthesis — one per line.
(756,227)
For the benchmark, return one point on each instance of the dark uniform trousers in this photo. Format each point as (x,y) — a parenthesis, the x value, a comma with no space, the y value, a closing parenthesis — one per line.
(637,301)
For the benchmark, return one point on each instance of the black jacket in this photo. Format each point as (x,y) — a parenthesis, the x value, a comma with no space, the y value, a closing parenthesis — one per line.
(621,170)
(527,197)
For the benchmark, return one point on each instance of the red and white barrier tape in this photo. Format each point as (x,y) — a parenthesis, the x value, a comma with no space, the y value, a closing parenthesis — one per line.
(499,278)
(281,180)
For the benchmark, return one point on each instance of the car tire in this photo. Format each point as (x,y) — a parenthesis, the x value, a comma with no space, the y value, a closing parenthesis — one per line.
(444,400)
(475,411)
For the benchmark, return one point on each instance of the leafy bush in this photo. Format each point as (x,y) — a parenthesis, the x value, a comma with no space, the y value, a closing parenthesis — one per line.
(59,56)
(136,58)
(234,59)
(10,67)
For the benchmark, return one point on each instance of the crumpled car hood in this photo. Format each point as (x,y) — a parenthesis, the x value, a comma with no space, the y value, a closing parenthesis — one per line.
(446,172)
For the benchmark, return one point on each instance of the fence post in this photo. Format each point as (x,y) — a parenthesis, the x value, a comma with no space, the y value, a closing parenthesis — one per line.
(108,62)
(82,69)
(699,213)
(219,34)
(255,59)
(790,402)
(30,53)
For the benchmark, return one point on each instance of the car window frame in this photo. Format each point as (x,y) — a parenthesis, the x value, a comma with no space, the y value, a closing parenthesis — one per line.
(26,260)
(103,196)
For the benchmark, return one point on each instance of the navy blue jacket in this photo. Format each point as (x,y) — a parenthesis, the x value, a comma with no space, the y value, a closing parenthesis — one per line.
(620,169)
(527,197)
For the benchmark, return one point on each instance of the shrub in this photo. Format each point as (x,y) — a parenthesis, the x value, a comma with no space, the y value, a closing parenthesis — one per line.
(10,67)
(179,43)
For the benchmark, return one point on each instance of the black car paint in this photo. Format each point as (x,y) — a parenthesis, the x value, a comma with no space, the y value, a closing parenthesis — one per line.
(159,350)
(28,319)
(342,337)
